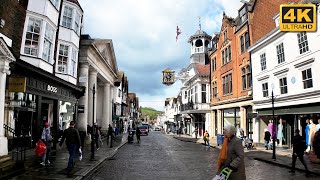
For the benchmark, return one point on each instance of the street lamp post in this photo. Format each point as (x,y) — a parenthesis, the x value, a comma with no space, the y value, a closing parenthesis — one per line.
(92,131)
(273,129)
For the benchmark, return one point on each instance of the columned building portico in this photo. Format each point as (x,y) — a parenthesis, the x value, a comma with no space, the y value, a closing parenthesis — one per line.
(98,68)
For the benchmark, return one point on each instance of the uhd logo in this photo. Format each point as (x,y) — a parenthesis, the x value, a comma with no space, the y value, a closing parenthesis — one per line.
(298,17)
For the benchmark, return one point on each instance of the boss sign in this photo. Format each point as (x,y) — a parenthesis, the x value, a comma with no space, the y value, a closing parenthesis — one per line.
(298,17)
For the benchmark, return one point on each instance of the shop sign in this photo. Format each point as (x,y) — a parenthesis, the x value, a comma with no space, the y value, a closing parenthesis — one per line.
(52,89)
(83,79)
(81,109)
(17,84)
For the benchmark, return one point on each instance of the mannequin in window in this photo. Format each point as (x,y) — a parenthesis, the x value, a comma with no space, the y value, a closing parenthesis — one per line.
(279,134)
(307,134)
(270,128)
(312,132)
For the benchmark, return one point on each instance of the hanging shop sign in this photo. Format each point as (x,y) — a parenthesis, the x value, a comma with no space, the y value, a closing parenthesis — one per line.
(17,84)
(168,77)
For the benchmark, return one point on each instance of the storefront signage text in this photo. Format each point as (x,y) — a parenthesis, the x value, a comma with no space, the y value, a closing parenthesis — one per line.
(52,89)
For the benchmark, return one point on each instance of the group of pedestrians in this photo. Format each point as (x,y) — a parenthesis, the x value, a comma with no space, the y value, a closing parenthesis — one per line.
(73,143)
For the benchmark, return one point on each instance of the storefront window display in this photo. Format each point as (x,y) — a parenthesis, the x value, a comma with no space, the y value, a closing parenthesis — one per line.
(66,114)
(20,113)
(231,116)
(283,131)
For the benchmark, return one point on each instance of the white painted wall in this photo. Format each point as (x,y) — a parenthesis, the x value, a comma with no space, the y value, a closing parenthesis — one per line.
(45,8)
(294,75)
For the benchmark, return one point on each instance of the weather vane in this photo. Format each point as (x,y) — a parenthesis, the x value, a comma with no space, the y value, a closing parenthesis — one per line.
(199,23)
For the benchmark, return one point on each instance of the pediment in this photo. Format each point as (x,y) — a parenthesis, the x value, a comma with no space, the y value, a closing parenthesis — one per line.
(105,48)
(5,51)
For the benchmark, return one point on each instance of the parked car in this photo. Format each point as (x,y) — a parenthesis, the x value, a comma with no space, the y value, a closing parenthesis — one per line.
(143,129)
(157,128)
(147,125)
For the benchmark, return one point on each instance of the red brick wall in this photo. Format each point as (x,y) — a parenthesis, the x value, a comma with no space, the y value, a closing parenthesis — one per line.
(14,14)
(261,19)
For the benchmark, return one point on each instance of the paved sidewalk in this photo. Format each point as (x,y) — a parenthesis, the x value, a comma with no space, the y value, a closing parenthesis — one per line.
(57,168)
(283,156)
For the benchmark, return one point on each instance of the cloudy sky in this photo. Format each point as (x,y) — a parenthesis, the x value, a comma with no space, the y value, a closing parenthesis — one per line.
(143,34)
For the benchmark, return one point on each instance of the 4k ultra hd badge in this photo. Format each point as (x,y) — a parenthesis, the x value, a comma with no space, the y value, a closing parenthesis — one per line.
(298,17)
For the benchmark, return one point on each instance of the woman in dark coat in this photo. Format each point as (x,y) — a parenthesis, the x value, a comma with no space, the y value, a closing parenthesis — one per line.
(232,154)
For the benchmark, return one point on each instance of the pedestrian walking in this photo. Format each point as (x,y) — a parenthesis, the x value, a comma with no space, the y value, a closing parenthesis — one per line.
(232,154)
(46,137)
(96,133)
(71,135)
(138,133)
(206,138)
(111,135)
(299,147)
(267,138)
(196,132)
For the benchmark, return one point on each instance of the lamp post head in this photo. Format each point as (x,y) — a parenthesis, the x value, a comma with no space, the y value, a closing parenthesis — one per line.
(94,88)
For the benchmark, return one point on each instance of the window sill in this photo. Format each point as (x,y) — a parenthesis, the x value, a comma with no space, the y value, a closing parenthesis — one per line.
(225,95)
(307,53)
(281,64)
(36,57)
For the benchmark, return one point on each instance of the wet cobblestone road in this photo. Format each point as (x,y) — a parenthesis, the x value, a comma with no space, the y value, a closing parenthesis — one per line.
(160,156)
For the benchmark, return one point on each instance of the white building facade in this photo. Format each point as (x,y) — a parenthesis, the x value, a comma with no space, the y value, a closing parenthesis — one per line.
(287,66)
(99,71)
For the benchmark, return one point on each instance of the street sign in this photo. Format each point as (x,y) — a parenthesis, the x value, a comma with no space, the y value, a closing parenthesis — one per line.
(80,108)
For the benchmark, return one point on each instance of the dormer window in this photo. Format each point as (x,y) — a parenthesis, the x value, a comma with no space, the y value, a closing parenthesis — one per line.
(243,14)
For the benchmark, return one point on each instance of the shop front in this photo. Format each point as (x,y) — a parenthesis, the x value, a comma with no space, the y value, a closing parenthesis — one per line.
(33,97)
(287,119)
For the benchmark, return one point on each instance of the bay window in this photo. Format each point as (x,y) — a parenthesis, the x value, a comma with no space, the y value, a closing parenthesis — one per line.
(63,58)
(48,43)
(31,45)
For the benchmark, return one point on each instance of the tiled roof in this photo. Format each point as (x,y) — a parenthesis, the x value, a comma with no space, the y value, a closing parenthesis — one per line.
(131,95)
(204,70)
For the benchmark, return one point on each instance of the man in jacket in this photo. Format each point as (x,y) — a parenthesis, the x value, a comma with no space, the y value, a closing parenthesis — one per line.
(72,141)
(298,144)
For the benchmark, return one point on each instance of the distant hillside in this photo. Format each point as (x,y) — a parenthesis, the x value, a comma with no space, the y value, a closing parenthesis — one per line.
(152,113)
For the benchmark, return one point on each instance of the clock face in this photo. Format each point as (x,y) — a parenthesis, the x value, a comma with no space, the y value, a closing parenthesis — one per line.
(168,77)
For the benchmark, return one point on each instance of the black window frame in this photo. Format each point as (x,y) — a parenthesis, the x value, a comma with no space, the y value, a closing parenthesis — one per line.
(265,89)
(307,78)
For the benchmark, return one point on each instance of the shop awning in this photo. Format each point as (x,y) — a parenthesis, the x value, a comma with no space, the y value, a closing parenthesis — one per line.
(289,110)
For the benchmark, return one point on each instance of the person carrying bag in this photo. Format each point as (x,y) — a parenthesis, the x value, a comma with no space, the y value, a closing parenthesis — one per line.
(231,157)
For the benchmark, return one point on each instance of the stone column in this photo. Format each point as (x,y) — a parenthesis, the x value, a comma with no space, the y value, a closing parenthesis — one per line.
(92,81)
(83,101)
(110,104)
(106,105)
(243,119)
(4,70)
(220,131)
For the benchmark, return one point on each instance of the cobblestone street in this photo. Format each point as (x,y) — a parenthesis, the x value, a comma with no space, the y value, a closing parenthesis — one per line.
(160,156)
